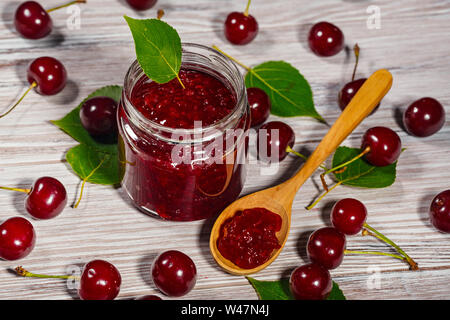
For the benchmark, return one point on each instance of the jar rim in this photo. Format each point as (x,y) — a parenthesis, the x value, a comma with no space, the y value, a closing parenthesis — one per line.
(154,127)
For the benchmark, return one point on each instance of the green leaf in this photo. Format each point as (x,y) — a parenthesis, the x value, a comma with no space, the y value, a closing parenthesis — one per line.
(71,123)
(360,173)
(100,167)
(336,293)
(288,90)
(272,290)
(279,290)
(158,48)
(91,159)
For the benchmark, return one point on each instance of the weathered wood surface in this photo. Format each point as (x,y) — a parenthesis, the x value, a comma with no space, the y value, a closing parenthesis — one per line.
(413,43)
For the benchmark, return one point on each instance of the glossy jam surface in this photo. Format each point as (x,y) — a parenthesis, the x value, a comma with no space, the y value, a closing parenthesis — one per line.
(158,184)
(249,238)
(204,98)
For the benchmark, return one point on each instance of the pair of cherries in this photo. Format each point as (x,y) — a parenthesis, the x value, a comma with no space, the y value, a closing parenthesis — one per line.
(326,248)
(45,200)
(173,273)
(422,118)
(277,135)
(48,197)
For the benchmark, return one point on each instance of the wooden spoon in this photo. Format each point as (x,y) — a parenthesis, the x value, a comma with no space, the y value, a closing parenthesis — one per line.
(279,199)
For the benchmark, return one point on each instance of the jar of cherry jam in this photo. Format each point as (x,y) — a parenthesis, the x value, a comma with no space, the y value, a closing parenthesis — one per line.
(183,147)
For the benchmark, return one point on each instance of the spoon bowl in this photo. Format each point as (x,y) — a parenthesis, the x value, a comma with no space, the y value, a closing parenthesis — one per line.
(254,200)
(279,199)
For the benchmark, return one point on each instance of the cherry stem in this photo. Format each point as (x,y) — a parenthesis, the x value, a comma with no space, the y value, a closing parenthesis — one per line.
(33,85)
(233,59)
(84,182)
(378,253)
(345,164)
(16,189)
(382,237)
(356,51)
(66,5)
(160,14)
(20,271)
(323,195)
(247,8)
(290,150)
(342,166)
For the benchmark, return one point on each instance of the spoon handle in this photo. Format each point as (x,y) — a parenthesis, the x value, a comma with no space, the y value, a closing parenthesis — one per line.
(365,100)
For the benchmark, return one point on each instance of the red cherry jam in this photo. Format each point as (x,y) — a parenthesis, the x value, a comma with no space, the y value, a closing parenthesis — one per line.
(249,238)
(204,98)
(171,167)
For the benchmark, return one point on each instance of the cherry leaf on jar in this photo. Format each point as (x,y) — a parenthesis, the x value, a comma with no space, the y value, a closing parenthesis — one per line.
(158,48)
(360,173)
(91,160)
(289,92)
(279,290)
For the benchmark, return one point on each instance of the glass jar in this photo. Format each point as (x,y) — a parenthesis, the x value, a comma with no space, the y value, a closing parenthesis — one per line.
(184,174)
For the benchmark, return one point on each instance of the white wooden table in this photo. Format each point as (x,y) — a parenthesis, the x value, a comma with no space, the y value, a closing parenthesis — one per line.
(413,43)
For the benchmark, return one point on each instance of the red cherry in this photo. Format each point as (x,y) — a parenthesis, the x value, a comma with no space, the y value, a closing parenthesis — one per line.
(98,116)
(100,280)
(440,211)
(149,297)
(241,27)
(174,273)
(424,117)
(17,238)
(46,75)
(49,74)
(325,39)
(141,4)
(385,146)
(279,135)
(326,247)
(47,198)
(32,21)
(348,216)
(348,92)
(310,282)
(259,106)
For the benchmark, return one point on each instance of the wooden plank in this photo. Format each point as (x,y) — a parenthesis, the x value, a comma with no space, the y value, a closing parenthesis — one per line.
(413,43)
